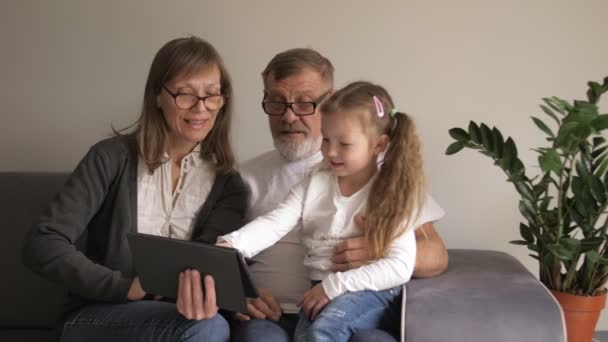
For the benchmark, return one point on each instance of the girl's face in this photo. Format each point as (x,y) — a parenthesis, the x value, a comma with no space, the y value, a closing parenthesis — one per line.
(187,127)
(347,147)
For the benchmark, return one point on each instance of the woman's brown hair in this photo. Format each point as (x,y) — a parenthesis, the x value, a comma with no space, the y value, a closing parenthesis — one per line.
(183,56)
(399,190)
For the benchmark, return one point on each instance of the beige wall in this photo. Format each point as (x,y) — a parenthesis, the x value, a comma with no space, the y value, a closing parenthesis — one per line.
(70,69)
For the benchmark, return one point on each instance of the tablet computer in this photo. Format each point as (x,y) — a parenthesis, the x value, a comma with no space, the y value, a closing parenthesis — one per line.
(159,260)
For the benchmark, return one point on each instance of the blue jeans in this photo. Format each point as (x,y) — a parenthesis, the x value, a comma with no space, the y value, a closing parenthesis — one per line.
(145,320)
(346,315)
(264,330)
(269,331)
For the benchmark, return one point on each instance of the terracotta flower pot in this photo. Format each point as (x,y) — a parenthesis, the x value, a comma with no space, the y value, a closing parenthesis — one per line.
(581,314)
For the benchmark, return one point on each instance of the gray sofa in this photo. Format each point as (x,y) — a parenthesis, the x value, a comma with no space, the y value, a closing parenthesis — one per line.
(484,295)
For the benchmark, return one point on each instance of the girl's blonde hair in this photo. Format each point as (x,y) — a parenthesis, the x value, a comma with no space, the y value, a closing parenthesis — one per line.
(183,56)
(399,190)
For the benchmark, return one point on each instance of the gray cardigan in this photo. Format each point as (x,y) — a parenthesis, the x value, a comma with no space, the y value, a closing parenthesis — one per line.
(80,242)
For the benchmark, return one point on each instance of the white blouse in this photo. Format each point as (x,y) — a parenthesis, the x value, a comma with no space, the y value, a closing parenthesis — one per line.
(162,212)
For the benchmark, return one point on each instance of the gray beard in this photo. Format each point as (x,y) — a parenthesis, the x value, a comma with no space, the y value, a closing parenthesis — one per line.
(293,151)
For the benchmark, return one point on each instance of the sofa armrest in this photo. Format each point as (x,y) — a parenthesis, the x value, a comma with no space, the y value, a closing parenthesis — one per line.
(483,296)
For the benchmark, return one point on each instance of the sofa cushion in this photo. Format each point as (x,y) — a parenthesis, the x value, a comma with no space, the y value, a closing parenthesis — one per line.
(483,296)
(29,300)
(28,335)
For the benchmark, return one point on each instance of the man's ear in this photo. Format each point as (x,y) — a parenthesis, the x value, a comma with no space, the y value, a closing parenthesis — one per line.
(381,144)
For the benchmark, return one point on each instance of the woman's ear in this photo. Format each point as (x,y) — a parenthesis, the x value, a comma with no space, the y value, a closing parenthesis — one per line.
(158,101)
(381,144)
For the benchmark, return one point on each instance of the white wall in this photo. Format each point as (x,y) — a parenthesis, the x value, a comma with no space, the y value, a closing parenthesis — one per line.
(70,69)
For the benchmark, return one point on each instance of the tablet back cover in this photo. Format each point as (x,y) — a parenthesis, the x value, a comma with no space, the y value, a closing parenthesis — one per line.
(158,262)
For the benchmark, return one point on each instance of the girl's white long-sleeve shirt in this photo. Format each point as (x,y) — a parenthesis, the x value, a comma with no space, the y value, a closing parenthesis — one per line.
(327,219)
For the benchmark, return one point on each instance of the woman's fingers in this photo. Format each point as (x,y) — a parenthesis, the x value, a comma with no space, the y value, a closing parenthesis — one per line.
(210,301)
(183,299)
(197,296)
(192,302)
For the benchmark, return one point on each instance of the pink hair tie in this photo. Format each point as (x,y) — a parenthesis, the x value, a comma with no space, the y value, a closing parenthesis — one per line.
(379,107)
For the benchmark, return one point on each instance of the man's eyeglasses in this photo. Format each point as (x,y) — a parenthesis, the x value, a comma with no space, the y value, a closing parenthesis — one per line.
(189,101)
(301,108)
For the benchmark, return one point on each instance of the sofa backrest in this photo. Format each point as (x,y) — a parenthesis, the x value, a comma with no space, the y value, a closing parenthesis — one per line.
(28,300)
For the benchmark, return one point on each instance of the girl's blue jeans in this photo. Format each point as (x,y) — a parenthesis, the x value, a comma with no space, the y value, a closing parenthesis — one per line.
(346,315)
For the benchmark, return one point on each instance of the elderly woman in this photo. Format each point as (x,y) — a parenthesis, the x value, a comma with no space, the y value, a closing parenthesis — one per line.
(171,176)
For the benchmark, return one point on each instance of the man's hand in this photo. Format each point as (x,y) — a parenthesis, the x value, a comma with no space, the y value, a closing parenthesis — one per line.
(263,307)
(353,252)
(136,292)
(224,244)
(190,301)
(313,301)
(431,254)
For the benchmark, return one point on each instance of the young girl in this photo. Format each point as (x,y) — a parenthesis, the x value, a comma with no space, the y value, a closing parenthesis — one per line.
(359,125)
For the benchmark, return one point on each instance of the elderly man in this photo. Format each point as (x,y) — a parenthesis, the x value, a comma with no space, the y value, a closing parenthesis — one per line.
(295,83)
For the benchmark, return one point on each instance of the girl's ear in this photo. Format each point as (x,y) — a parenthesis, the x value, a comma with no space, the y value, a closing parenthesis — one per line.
(381,144)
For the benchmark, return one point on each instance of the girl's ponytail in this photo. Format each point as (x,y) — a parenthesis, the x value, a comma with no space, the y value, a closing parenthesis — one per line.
(399,190)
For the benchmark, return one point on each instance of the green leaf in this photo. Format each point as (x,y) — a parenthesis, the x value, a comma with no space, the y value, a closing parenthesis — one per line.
(597,141)
(454,148)
(578,218)
(592,243)
(581,207)
(525,190)
(526,233)
(569,243)
(595,164)
(593,256)
(509,153)
(527,210)
(549,112)
(601,169)
(518,170)
(584,111)
(594,92)
(582,169)
(568,248)
(582,132)
(533,247)
(543,127)
(519,242)
(474,132)
(497,143)
(600,123)
(460,134)
(545,203)
(486,137)
(565,138)
(557,104)
(598,152)
(598,190)
(550,161)
(577,185)
(561,252)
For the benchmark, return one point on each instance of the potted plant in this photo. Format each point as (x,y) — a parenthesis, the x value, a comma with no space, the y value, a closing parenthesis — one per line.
(565,205)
